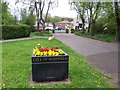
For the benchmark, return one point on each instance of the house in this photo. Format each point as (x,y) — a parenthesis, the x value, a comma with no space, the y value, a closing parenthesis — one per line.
(64,24)
(47,26)
(78,24)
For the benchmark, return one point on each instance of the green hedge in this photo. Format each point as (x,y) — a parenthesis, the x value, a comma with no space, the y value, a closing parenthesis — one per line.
(15,31)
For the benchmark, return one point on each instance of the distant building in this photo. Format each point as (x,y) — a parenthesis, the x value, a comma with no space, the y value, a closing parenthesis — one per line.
(64,24)
(47,26)
(78,24)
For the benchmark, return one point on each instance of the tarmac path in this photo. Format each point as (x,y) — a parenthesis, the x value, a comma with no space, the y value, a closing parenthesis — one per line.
(101,55)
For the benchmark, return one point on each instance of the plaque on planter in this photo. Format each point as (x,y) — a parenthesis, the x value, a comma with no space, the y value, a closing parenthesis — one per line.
(49,64)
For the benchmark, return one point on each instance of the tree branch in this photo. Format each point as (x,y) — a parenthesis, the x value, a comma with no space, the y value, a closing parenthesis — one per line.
(96,11)
(43,5)
(48,10)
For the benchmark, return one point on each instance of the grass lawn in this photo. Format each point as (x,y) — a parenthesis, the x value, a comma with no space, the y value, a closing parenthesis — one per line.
(16,66)
(38,34)
(102,37)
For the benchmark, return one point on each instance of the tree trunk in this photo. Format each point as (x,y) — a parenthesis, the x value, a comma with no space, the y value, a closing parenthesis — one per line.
(38,26)
(117,22)
(89,27)
(83,29)
(83,24)
(92,28)
(90,20)
(43,27)
(118,33)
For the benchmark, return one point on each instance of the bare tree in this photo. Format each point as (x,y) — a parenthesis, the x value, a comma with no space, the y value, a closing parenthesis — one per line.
(39,6)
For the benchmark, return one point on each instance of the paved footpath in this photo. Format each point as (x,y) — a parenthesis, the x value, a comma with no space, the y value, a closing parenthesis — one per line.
(32,37)
(101,55)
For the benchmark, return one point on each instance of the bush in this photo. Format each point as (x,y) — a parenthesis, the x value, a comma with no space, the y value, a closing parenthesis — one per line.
(72,30)
(47,30)
(32,28)
(53,31)
(67,30)
(98,28)
(105,26)
(15,31)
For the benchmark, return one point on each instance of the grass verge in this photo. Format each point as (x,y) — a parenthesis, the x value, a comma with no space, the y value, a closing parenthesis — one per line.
(101,37)
(47,34)
(16,66)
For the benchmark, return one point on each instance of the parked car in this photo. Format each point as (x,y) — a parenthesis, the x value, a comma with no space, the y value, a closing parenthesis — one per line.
(58,28)
(49,27)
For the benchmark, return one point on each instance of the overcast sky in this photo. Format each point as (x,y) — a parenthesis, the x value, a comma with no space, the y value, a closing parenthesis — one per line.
(63,9)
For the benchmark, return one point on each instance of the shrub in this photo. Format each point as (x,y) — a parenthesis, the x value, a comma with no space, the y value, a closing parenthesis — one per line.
(67,30)
(53,31)
(15,31)
(26,29)
(72,30)
(47,30)
(98,28)
(105,26)
(32,28)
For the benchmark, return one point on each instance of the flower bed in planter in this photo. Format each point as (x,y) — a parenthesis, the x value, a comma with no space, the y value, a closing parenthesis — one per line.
(49,64)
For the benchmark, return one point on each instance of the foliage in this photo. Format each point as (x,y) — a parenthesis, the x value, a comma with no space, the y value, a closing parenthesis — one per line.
(16,67)
(80,7)
(24,16)
(27,17)
(15,31)
(7,18)
(105,23)
(41,34)
(32,20)
(98,36)
(67,30)
(56,19)
(25,28)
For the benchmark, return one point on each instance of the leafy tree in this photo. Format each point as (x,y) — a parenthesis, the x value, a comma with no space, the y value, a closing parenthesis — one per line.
(7,18)
(94,10)
(57,19)
(32,20)
(50,18)
(69,19)
(80,7)
(24,16)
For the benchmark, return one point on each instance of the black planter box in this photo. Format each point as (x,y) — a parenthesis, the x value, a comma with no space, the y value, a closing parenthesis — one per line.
(49,68)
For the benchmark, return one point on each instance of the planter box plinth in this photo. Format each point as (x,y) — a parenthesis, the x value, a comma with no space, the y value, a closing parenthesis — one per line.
(49,68)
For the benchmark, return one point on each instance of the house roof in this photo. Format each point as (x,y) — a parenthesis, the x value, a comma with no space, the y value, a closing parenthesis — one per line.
(65,22)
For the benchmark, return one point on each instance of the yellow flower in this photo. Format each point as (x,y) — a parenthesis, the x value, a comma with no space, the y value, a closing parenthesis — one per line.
(56,53)
(38,53)
(60,52)
(45,53)
(34,51)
